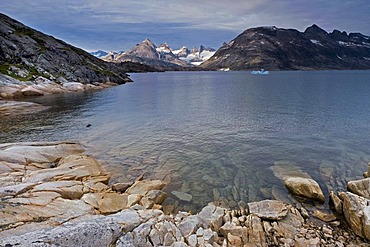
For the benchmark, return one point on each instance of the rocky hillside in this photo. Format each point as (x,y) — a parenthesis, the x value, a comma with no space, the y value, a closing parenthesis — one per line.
(28,55)
(275,48)
(162,57)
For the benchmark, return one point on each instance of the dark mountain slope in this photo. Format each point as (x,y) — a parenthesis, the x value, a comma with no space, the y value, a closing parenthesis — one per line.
(36,54)
(288,49)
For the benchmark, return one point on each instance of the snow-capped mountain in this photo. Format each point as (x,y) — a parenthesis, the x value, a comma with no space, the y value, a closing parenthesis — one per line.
(99,54)
(162,56)
(195,56)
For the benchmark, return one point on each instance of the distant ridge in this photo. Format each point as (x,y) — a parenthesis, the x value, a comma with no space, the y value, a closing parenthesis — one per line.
(275,48)
(162,56)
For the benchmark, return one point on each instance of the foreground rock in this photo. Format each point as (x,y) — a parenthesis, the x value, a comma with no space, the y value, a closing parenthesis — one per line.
(53,195)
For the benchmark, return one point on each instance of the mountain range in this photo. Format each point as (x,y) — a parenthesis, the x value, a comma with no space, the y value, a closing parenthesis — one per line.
(275,48)
(161,57)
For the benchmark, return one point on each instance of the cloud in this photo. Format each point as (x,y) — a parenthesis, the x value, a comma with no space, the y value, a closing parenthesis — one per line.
(123,23)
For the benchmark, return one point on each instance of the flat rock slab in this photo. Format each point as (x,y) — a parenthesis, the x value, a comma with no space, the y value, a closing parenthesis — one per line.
(269,209)
(101,231)
(142,187)
(324,216)
(14,190)
(37,152)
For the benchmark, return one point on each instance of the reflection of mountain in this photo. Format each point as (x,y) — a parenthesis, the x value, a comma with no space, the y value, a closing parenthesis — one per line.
(288,49)
(162,57)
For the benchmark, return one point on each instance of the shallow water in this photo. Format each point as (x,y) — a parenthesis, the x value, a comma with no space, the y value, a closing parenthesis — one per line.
(216,135)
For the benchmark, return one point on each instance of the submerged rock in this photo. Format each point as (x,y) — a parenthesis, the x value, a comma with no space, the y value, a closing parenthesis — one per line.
(182,195)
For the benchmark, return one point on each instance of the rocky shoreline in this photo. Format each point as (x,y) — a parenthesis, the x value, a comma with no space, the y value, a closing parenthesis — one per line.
(11,88)
(52,194)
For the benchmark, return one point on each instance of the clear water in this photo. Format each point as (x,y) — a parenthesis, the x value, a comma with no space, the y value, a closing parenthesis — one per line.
(216,135)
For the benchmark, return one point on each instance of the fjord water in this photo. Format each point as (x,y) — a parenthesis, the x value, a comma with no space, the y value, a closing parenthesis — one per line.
(216,135)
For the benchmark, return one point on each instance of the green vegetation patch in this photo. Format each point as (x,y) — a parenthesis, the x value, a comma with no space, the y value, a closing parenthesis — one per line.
(32,72)
(103,72)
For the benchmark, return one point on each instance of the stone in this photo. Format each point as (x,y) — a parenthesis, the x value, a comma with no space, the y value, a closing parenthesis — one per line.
(35,198)
(269,209)
(336,202)
(324,216)
(14,190)
(255,235)
(121,187)
(73,86)
(192,240)
(211,217)
(189,225)
(182,195)
(31,91)
(230,228)
(168,239)
(72,167)
(142,187)
(67,189)
(112,202)
(92,199)
(155,237)
(101,231)
(305,187)
(179,244)
(354,208)
(133,199)
(366,222)
(360,187)
(156,196)
(37,152)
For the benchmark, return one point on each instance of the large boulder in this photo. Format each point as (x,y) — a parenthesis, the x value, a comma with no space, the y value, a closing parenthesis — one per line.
(211,216)
(305,187)
(356,211)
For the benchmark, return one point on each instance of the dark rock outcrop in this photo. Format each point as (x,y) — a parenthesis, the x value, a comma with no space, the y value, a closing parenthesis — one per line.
(27,54)
(275,48)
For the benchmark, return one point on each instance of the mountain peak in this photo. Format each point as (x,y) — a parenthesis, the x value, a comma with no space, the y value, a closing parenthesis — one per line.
(148,42)
(315,29)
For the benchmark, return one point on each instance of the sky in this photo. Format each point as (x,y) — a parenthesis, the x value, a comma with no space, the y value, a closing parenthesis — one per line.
(118,25)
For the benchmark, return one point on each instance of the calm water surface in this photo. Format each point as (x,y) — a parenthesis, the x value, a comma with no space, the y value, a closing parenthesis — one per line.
(216,135)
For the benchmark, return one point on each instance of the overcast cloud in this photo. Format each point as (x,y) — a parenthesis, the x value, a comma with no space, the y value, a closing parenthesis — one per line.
(120,24)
